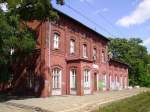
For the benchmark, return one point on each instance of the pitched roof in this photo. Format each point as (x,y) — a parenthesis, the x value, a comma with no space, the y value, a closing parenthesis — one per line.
(77,21)
(118,61)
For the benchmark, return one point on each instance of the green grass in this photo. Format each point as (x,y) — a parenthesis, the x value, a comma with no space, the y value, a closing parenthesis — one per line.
(138,103)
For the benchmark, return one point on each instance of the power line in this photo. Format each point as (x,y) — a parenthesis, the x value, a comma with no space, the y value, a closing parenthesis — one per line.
(107,21)
(78,12)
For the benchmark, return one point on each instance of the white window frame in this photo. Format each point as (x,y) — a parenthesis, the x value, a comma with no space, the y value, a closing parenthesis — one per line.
(73,76)
(110,81)
(105,80)
(87,78)
(94,54)
(56,40)
(56,78)
(72,46)
(85,51)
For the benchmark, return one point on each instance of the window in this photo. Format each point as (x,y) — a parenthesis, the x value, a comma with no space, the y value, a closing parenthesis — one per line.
(105,80)
(94,54)
(103,56)
(73,79)
(56,78)
(72,46)
(56,40)
(84,50)
(86,78)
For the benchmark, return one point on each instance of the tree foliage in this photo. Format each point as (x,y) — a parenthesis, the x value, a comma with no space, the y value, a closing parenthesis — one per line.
(13,37)
(135,54)
(33,9)
(20,38)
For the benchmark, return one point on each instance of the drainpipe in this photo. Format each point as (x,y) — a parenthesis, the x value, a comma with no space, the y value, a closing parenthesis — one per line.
(49,54)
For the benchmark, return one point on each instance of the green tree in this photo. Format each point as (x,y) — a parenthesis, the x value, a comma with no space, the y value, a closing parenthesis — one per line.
(33,9)
(135,54)
(22,39)
(13,37)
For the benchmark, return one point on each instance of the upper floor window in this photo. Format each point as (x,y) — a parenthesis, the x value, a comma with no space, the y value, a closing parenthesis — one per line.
(94,54)
(72,46)
(84,50)
(56,40)
(103,56)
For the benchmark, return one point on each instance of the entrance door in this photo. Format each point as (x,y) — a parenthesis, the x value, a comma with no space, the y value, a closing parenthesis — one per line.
(73,82)
(95,82)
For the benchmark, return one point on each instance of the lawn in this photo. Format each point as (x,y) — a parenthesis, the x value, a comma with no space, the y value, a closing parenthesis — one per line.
(138,103)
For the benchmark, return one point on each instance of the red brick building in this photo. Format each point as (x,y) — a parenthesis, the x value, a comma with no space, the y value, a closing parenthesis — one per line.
(71,59)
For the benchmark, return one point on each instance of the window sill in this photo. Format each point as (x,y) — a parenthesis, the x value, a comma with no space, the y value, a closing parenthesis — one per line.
(72,54)
(85,57)
(73,88)
(55,48)
(56,88)
(86,88)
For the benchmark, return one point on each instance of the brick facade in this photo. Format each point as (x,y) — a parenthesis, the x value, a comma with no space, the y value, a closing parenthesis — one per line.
(56,70)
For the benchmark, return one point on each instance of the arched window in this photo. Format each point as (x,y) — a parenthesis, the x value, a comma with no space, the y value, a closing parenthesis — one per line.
(73,78)
(84,50)
(56,40)
(87,78)
(72,46)
(94,54)
(56,78)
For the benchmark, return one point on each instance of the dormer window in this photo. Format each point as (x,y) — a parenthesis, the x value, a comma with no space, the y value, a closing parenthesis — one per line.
(85,51)
(72,46)
(56,40)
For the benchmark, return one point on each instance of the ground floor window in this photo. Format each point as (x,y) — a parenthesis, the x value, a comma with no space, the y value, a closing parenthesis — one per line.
(56,78)
(105,80)
(86,78)
(73,79)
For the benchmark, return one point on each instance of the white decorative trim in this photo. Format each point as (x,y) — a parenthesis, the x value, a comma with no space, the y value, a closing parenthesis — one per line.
(95,66)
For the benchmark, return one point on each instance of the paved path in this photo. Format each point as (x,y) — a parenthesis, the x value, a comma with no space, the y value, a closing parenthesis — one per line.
(9,108)
(73,103)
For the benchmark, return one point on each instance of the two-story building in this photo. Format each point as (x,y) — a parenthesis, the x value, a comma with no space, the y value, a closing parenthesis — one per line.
(70,59)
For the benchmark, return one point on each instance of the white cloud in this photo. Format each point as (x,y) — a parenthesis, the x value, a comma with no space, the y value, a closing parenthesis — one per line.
(147,41)
(140,15)
(147,44)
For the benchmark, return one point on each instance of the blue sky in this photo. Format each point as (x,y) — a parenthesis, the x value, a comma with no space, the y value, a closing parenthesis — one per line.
(117,18)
